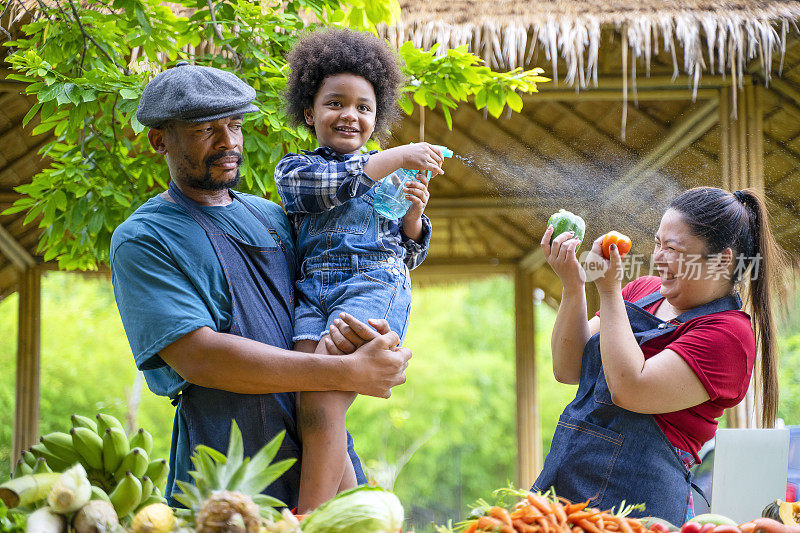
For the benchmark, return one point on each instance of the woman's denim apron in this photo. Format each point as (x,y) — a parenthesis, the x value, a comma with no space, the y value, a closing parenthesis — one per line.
(262,309)
(606,454)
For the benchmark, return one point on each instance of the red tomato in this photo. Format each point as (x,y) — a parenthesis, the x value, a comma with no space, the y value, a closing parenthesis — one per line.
(691,527)
(623,243)
(707,527)
(659,528)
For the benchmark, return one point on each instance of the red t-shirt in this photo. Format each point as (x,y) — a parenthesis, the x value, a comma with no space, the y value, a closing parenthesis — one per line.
(720,348)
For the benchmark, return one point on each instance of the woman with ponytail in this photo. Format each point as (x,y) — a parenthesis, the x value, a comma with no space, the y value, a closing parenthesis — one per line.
(665,355)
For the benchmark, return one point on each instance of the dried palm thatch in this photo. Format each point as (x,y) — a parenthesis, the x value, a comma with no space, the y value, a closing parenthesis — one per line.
(713,35)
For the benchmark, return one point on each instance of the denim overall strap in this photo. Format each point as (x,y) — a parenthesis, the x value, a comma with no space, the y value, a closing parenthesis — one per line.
(262,309)
(607,454)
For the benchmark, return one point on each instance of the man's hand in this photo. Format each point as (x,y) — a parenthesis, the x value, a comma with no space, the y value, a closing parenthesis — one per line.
(379,365)
(348,333)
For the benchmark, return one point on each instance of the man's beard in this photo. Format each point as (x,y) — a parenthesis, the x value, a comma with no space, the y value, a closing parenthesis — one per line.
(206,182)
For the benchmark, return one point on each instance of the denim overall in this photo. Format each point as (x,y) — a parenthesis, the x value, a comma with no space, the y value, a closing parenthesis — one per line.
(607,454)
(262,309)
(347,267)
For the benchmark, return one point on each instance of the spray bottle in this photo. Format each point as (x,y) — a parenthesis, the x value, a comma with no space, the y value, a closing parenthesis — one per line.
(390,196)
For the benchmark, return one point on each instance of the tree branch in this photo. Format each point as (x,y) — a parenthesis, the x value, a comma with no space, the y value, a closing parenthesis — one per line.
(8,35)
(89,37)
(218,33)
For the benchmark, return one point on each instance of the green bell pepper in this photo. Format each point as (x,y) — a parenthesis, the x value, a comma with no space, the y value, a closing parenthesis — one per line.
(564,221)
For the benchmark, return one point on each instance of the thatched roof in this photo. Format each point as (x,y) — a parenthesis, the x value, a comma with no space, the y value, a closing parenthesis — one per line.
(715,36)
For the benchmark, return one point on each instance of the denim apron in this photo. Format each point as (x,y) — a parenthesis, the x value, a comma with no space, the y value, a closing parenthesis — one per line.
(606,454)
(262,309)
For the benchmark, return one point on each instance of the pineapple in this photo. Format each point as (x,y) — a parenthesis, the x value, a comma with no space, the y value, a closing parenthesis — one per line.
(226,495)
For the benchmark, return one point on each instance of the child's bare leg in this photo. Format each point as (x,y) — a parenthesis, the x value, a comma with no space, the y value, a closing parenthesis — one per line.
(321,422)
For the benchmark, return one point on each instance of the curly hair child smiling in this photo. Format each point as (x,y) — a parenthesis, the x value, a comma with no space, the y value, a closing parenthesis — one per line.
(344,87)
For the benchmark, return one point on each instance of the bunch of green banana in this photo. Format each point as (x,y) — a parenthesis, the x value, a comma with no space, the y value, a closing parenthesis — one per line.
(119,467)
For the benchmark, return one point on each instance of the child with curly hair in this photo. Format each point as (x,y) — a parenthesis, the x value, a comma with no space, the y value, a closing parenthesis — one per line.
(344,87)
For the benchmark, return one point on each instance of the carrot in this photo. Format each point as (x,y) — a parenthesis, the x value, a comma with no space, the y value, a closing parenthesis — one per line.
(501,514)
(522,527)
(588,526)
(487,522)
(544,523)
(575,507)
(595,516)
(493,524)
(472,528)
(540,502)
(625,527)
(558,511)
(577,529)
(573,517)
(635,524)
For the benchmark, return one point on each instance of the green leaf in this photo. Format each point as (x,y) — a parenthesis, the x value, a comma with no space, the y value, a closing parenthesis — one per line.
(480,99)
(42,128)
(264,500)
(30,114)
(266,454)
(142,18)
(495,104)
(447,117)
(137,126)
(514,101)
(50,92)
(129,94)
(235,446)
(60,199)
(258,481)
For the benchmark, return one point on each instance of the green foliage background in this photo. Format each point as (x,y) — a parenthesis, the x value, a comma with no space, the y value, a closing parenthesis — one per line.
(459,397)
(87,67)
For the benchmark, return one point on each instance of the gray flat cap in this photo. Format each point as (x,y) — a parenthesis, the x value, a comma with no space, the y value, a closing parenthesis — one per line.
(193,93)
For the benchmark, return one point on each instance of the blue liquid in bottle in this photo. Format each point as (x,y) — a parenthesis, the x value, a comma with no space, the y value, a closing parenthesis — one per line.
(390,196)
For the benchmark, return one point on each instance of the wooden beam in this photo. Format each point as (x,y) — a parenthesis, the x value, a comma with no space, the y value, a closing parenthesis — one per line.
(9,197)
(513,239)
(468,207)
(26,407)
(599,95)
(785,89)
(594,127)
(14,251)
(533,260)
(529,426)
(682,134)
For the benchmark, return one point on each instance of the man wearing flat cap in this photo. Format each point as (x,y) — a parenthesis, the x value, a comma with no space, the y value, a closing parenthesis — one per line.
(203,278)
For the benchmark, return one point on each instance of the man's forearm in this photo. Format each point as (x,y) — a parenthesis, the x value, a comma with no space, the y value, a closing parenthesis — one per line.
(229,362)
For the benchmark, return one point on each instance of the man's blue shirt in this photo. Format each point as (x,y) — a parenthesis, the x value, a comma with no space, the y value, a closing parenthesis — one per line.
(169,282)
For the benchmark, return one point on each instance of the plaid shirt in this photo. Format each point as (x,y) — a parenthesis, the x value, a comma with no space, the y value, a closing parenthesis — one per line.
(314,182)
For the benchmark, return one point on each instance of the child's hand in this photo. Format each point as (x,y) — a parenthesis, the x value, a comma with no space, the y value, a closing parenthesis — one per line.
(422,156)
(417,193)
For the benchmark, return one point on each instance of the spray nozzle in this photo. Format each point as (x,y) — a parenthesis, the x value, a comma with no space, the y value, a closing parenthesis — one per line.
(446,152)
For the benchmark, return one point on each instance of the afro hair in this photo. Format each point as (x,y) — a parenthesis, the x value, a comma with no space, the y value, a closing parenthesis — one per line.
(327,52)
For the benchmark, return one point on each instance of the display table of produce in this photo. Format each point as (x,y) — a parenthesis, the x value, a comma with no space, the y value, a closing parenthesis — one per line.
(98,479)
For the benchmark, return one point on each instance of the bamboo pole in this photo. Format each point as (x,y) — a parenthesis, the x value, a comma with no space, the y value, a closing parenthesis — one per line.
(529,431)
(26,409)
(741,126)
(725,136)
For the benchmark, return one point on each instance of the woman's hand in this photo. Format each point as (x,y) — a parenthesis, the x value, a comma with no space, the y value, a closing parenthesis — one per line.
(606,273)
(560,255)
(348,333)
